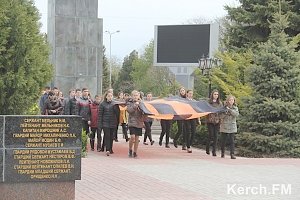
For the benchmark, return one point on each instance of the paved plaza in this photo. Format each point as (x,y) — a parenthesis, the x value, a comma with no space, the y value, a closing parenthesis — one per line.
(160,173)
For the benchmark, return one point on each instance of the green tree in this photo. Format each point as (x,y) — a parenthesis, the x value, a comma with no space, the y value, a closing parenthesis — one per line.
(271,123)
(230,77)
(248,23)
(125,82)
(105,74)
(149,78)
(24,56)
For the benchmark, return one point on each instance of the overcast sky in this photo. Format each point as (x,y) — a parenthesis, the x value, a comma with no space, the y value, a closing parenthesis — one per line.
(136,19)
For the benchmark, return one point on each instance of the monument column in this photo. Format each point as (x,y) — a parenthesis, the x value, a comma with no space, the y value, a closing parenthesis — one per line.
(75,34)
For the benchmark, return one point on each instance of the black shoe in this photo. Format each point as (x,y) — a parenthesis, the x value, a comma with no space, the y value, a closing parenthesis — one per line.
(134,155)
(207,150)
(214,154)
(116,140)
(130,153)
(92,149)
(167,146)
(152,142)
(175,143)
(98,150)
(111,151)
(222,155)
(145,143)
(232,156)
(127,139)
(160,142)
(183,147)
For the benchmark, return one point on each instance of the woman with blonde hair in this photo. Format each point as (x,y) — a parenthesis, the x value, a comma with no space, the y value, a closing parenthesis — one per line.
(228,126)
(135,122)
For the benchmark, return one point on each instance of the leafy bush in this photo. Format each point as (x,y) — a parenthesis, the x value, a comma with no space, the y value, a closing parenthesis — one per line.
(84,139)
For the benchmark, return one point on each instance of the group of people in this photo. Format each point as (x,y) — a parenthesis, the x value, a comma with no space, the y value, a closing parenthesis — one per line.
(107,113)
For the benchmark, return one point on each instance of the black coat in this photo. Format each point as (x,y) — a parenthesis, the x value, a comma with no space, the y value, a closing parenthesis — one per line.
(109,113)
(71,107)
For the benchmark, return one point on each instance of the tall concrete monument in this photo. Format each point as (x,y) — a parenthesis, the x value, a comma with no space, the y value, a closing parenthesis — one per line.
(75,34)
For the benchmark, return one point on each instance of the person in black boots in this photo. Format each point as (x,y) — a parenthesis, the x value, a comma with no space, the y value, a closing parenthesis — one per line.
(180,125)
(94,124)
(190,125)
(108,120)
(165,130)
(228,126)
(213,122)
(135,122)
(148,123)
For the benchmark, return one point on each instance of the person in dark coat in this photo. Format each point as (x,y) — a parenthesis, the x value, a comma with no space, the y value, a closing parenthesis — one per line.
(53,105)
(84,110)
(180,124)
(108,120)
(43,99)
(94,124)
(148,123)
(213,122)
(190,125)
(71,107)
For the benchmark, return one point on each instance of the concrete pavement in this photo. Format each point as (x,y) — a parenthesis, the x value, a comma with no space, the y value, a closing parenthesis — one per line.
(160,173)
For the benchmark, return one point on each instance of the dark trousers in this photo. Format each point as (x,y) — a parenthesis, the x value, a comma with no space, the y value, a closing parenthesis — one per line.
(181,131)
(213,131)
(148,131)
(108,138)
(224,136)
(115,136)
(92,137)
(165,130)
(125,130)
(190,130)
(85,126)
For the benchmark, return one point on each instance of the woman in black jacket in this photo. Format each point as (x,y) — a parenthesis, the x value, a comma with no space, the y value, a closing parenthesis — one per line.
(108,120)
(180,124)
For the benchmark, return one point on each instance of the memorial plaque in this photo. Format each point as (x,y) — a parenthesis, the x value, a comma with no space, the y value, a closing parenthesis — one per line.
(24,165)
(42,132)
(41,148)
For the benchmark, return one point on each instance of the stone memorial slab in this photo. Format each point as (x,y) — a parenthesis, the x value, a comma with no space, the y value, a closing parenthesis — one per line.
(42,132)
(41,149)
(45,165)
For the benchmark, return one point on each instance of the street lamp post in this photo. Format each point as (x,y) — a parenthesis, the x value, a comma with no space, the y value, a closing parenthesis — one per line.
(205,65)
(110,34)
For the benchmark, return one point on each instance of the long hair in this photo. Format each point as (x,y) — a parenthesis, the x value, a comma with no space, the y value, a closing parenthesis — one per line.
(183,96)
(227,100)
(212,97)
(105,95)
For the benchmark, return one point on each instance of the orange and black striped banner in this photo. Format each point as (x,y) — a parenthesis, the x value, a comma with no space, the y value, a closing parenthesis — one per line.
(176,108)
